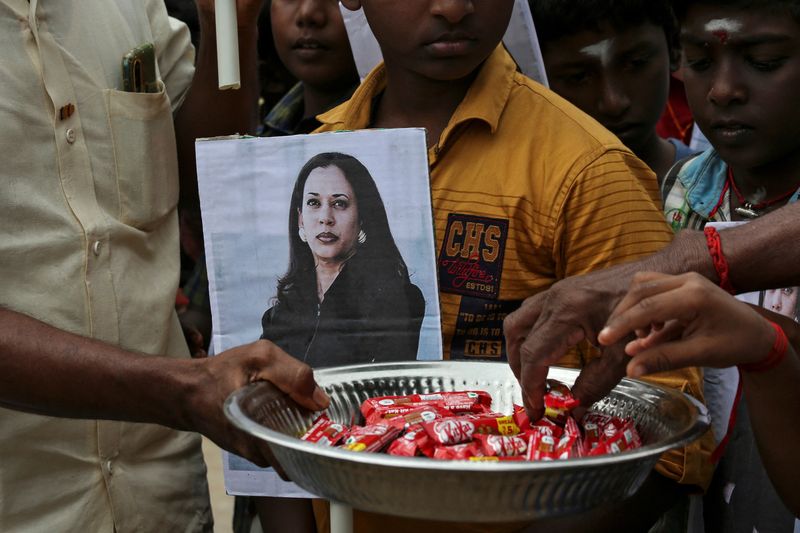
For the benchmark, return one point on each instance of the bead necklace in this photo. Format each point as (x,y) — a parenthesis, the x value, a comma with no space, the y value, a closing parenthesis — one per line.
(748,209)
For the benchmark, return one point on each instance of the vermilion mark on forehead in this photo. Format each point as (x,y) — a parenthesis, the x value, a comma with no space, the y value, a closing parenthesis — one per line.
(721,35)
(722,28)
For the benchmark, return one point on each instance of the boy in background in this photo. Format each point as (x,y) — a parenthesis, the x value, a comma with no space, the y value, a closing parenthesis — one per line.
(741,71)
(312,43)
(613,60)
(526,190)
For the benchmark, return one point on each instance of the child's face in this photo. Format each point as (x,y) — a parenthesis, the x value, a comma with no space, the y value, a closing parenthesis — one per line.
(620,78)
(311,41)
(439,40)
(742,76)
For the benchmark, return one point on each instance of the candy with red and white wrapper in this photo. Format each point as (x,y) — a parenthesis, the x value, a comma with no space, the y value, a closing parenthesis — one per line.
(325,432)
(502,445)
(592,436)
(558,401)
(618,436)
(460,429)
(521,418)
(541,447)
(455,402)
(370,438)
(497,458)
(596,417)
(417,416)
(627,438)
(414,442)
(546,426)
(593,425)
(570,445)
(458,452)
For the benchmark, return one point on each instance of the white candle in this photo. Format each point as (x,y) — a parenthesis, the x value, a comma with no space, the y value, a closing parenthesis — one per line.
(227,44)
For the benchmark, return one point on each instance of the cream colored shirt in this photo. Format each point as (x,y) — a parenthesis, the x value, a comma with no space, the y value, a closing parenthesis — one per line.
(89,244)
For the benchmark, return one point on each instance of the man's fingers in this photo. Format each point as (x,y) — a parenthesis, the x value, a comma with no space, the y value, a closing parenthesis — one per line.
(670,331)
(667,356)
(653,304)
(533,380)
(599,376)
(293,377)
(643,286)
(543,347)
(516,327)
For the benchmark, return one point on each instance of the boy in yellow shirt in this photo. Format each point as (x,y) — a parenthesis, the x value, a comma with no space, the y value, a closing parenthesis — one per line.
(526,190)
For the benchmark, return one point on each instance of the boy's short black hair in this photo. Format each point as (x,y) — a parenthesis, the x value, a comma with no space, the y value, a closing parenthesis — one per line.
(775,6)
(560,18)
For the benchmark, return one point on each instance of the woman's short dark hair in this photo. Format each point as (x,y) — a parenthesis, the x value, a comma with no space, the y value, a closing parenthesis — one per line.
(560,18)
(771,6)
(379,251)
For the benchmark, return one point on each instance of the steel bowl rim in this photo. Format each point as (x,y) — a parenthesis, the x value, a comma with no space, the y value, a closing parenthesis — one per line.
(237,416)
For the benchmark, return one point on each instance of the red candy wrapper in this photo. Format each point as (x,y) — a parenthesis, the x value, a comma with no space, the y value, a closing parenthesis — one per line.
(370,438)
(547,427)
(521,418)
(460,426)
(498,458)
(502,446)
(455,402)
(618,436)
(570,444)
(456,430)
(325,432)
(414,442)
(458,452)
(417,416)
(541,447)
(558,402)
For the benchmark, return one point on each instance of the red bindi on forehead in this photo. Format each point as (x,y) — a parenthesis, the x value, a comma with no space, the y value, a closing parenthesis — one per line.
(721,35)
(722,28)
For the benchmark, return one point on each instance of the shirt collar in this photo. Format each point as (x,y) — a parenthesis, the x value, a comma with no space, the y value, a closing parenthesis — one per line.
(704,179)
(287,113)
(485,100)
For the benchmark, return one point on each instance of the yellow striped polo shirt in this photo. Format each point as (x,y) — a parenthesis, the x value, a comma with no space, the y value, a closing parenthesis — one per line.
(527,190)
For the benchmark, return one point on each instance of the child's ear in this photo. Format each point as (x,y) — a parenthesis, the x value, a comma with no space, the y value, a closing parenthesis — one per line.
(352,5)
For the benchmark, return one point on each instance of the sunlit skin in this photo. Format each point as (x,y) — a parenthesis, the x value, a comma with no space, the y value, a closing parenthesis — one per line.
(741,81)
(312,42)
(329,220)
(432,50)
(621,79)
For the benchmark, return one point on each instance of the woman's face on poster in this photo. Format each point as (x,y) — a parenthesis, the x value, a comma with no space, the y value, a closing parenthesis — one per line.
(329,214)
(782,301)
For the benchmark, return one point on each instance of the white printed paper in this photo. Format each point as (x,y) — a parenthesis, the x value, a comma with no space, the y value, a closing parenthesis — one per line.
(246,186)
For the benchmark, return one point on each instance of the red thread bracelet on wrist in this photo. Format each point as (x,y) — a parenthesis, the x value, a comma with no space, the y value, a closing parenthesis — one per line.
(777,354)
(718,258)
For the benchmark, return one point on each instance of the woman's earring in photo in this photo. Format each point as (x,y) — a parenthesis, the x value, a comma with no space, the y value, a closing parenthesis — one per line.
(302,233)
(362,237)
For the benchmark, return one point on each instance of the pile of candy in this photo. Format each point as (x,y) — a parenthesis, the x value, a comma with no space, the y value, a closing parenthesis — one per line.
(461,425)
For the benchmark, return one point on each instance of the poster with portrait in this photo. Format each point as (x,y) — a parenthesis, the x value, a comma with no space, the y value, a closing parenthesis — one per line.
(324,245)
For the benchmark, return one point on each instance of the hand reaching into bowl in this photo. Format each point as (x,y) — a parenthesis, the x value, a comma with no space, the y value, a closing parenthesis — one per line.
(686,320)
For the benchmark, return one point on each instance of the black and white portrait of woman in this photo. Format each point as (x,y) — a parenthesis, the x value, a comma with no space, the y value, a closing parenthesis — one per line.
(323,244)
(346,296)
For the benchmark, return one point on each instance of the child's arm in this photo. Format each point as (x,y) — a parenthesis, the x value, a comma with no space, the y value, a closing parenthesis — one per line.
(550,323)
(699,324)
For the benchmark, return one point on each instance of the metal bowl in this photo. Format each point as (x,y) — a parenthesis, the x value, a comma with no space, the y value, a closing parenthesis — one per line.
(458,490)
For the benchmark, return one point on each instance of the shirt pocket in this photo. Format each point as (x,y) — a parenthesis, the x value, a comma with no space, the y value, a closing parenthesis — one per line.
(145,156)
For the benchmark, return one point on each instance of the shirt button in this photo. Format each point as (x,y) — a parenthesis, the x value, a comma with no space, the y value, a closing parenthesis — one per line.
(109,467)
(96,247)
(70,135)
